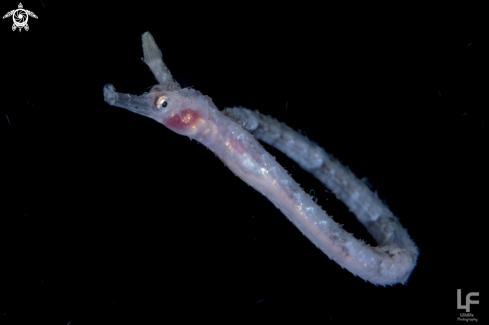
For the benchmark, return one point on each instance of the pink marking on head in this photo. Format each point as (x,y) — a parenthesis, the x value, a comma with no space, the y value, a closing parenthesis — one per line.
(183,120)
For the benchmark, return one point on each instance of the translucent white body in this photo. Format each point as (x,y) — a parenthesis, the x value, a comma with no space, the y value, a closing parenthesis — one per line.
(188,112)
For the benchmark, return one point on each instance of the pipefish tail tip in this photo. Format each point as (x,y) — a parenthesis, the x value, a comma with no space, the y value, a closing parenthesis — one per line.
(154,59)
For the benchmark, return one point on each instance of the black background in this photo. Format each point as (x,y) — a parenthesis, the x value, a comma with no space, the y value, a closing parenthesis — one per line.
(110,217)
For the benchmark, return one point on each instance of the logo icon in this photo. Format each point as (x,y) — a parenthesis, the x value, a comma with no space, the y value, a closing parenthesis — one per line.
(20,17)
(468,302)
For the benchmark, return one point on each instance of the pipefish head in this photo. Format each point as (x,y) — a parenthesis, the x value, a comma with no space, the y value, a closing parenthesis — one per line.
(182,110)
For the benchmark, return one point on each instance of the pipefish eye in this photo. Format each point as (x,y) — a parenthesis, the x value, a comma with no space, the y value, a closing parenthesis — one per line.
(161,102)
